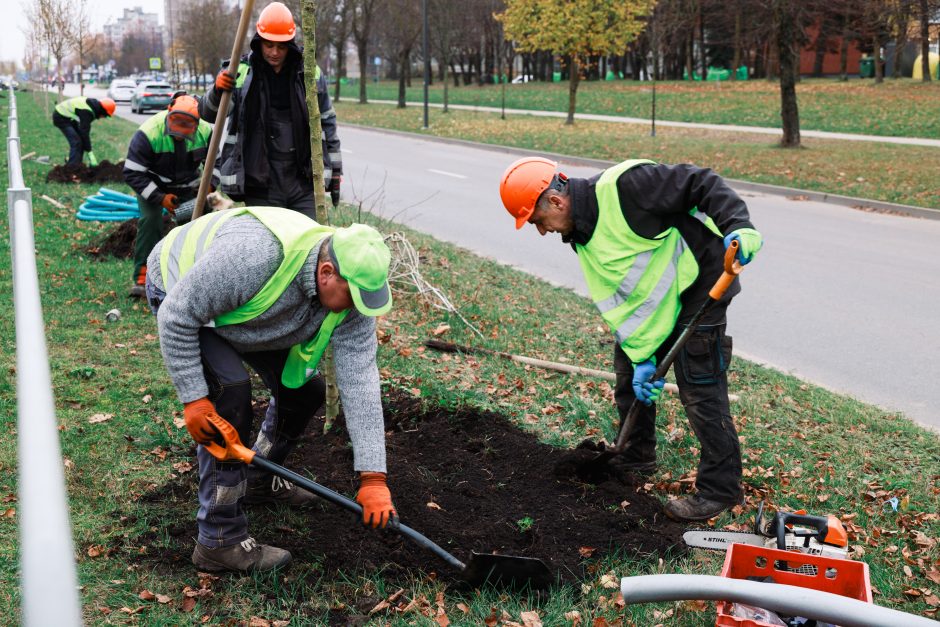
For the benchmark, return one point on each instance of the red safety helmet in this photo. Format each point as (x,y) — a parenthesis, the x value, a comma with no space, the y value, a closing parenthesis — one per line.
(183,118)
(522,184)
(108,105)
(276,23)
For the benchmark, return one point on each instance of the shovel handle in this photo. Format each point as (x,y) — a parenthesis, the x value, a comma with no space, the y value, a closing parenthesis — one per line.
(233,449)
(732,269)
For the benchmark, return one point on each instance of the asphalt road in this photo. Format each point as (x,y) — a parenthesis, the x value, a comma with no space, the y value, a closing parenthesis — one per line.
(842,298)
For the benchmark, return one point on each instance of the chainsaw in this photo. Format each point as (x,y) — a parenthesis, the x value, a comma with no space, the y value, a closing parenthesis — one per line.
(815,535)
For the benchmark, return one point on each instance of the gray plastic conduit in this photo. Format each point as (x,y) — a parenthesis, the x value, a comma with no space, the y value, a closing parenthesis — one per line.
(782,598)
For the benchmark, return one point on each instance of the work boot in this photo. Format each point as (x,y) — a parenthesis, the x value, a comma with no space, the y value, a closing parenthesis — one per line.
(643,466)
(138,290)
(273,489)
(244,557)
(694,507)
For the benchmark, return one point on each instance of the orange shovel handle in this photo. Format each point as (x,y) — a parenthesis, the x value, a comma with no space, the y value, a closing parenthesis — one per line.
(733,268)
(233,449)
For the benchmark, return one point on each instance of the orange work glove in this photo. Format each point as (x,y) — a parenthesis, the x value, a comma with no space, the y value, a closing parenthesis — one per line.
(196,414)
(170,202)
(224,82)
(376,500)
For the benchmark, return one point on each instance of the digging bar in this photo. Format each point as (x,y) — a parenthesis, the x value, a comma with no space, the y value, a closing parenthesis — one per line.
(732,269)
(507,570)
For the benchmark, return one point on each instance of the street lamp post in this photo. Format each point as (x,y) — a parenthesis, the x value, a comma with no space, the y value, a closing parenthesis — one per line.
(427,59)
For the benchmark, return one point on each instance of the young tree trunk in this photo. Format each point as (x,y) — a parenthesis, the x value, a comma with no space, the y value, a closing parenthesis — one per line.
(363,70)
(444,83)
(788,59)
(737,43)
(573,76)
(701,41)
(925,40)
(403,61)
(844,52)
(879,71)
(309,27)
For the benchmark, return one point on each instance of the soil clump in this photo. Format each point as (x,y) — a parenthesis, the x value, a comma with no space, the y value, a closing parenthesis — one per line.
(466,479)
(119,242)
(104,172)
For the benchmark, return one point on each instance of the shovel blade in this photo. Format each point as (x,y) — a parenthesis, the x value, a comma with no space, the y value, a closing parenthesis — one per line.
(507,570)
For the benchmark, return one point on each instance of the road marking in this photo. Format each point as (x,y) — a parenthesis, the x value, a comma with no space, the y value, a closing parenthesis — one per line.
(346,150)
(456,176)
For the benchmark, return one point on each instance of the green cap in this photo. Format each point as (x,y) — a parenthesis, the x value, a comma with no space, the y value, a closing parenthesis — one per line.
(361,257)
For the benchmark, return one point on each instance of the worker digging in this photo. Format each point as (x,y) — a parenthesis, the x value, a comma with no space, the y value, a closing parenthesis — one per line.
(74,117)
(651,241)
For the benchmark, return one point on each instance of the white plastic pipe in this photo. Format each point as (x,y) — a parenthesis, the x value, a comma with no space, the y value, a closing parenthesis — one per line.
(782,598)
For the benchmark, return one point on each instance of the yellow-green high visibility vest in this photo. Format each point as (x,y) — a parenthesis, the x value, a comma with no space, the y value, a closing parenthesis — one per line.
(298,235)
(634,281)
(68,108)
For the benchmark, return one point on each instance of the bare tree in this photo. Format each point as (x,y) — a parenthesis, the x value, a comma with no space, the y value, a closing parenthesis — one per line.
(83,43)
(363,12)
(54,21)
(400,24)
(207,28)
(342,23)
(923,15)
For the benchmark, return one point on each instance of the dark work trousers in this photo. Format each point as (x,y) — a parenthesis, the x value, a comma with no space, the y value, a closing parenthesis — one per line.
(288,187)
(149,230)
(701,374)
(76,153)
(221,517)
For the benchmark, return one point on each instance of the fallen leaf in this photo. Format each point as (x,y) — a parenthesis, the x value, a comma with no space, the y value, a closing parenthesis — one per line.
(100,418)
(442,620)
(433,505)
(146,595)
(440,330)
(95,550)
(182,467)
(136,610)
(586,551)
(381,605)
(163,598)
(531,619)
(610,582)
(932,599)
(179,423)
(463,608)
(10,513)
(574,616)
(188,604)
(147,398)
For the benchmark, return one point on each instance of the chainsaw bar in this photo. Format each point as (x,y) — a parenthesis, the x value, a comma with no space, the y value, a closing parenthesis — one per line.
(721,540)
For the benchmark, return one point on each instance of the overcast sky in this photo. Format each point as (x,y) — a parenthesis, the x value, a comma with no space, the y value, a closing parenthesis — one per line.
(13,39)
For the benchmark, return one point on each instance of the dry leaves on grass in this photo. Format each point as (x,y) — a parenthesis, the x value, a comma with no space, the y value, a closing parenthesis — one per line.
(96,418)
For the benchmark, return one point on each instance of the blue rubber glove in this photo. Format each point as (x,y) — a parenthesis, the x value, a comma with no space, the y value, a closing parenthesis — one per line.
(749,242)
(647,391)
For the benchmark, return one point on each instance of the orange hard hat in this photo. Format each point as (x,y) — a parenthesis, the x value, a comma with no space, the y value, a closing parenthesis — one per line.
(184,103)
(522,184)
(276,23)
(183,119)
(108,105)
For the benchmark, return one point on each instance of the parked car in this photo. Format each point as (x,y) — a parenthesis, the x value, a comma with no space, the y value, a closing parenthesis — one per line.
(121,89)
(151,96)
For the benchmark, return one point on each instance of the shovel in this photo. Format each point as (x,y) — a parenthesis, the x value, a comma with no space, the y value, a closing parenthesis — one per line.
(732,269)
(482,568)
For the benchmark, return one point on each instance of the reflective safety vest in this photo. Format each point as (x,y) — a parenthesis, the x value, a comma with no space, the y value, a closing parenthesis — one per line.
(68,108)
(244,66)
(634,281)
(298,236)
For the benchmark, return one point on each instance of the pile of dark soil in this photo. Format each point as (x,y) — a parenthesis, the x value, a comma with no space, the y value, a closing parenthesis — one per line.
(467,480)
(119,242)
(104,172)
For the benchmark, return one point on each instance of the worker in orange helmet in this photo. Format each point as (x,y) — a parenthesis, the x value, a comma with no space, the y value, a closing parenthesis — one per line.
(651,240)
(74,117)
(163,166)
(266,159)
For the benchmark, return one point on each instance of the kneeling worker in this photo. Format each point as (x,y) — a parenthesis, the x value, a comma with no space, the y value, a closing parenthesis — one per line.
(271,288)
(651,240)
(162,166)
(74,117)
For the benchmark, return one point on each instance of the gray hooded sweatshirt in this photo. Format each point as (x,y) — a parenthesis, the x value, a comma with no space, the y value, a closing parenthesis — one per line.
(240,260)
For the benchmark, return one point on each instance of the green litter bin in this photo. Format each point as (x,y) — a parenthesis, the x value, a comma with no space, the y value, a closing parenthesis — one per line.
(866,67)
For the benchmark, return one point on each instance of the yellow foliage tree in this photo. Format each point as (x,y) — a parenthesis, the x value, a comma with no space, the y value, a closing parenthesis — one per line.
(576,28)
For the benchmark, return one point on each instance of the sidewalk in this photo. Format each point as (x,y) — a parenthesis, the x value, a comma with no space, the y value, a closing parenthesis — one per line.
(763,130)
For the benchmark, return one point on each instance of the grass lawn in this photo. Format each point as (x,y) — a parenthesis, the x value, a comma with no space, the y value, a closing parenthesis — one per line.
(804,447)
(901,107)
(888,172)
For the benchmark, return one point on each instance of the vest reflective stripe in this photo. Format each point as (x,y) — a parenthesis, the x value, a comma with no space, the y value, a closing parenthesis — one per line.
(707,221)
(634,281)
(68,108)
(298,236)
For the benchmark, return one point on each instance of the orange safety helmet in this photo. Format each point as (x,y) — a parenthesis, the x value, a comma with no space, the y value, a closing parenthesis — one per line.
(522,184)
(276,23)
(108,105)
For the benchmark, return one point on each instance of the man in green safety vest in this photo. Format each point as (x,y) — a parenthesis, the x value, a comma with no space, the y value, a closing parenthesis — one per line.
(271,288)
(74,117)
(266,157)
(651,239)
(162,166)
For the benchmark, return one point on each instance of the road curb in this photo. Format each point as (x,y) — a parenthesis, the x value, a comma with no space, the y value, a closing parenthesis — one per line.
(864,204)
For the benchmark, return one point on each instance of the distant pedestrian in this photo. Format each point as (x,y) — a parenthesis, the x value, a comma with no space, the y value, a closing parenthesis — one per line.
(74,117)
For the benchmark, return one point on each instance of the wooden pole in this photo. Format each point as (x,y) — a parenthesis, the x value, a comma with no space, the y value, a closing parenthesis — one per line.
(222,113)
(309,26)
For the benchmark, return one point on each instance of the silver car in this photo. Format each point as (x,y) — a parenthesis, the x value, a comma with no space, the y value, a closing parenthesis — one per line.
(121,89)
(151,96)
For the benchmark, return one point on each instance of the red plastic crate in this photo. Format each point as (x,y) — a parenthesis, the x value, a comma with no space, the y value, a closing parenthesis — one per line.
(843,577)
